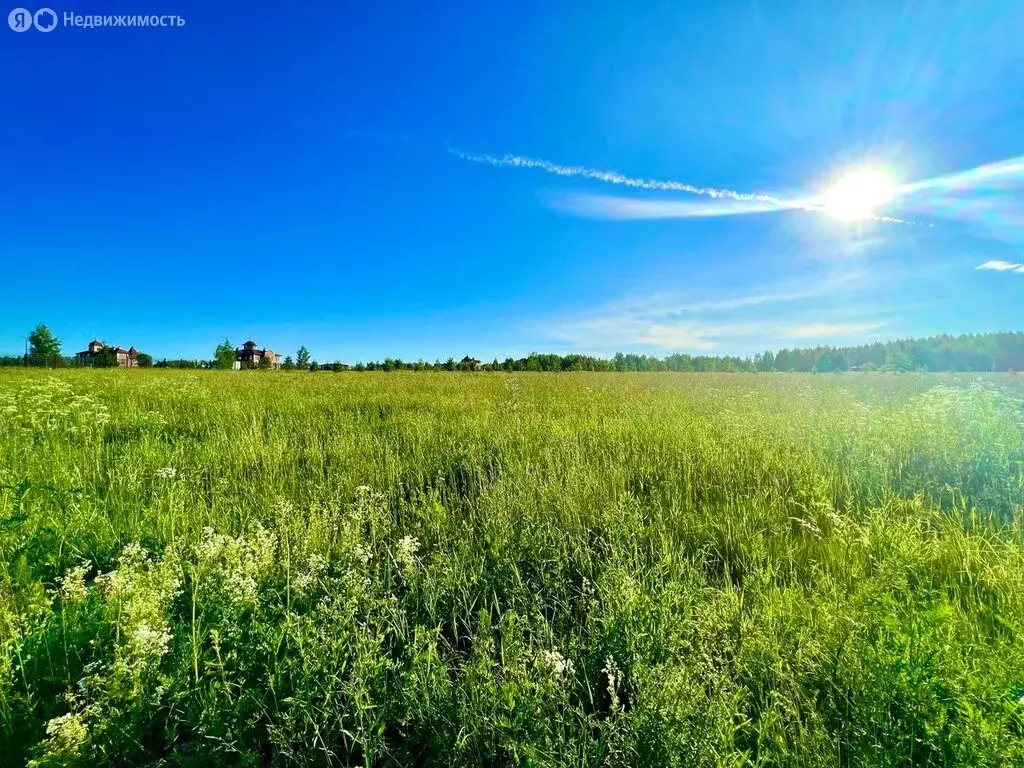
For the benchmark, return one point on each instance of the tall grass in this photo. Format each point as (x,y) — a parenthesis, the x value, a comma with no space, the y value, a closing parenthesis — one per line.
(596,569)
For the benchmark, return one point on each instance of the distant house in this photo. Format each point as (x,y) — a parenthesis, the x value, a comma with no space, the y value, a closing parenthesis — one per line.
(249,356)
(99,353)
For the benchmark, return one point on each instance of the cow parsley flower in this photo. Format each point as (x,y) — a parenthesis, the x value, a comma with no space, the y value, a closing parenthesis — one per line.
(65,736)
(406,551)
(611,669)
(149,643)
(72,584)
(315,569)
(166,473)
(557,664)
(362,554)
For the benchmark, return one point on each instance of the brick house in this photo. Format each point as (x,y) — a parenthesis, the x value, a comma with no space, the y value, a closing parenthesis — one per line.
(125,358)
(249,356)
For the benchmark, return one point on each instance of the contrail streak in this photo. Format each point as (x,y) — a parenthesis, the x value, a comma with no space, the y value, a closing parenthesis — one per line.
(765,203)
(613,177)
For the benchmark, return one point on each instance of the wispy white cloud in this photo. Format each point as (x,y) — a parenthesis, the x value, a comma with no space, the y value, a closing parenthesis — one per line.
(830,330)
(668,306)
(1001,266)
(607,207)
(625,331)
(614,177)
(770,318)
(623,208)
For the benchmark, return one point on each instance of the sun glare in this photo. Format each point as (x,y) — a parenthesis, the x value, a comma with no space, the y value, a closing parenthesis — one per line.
(859,194)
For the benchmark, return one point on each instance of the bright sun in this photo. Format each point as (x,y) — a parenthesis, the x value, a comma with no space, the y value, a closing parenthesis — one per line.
(859,193)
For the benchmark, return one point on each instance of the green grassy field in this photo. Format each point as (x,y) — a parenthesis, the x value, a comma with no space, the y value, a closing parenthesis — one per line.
(485,569)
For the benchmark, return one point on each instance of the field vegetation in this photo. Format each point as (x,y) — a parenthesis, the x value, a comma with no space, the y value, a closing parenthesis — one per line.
(250,569)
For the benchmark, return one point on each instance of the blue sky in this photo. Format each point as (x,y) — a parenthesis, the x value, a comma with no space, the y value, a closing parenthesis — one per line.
(383,179)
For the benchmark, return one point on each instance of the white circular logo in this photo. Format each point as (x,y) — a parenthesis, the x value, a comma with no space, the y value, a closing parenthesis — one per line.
(45,20)
(20,20)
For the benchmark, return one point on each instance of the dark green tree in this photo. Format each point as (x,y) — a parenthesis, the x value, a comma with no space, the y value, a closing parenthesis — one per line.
(224,356)
(302,358)
(44,347)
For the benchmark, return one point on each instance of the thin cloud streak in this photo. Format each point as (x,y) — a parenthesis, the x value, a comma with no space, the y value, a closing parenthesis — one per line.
(607,207)
(697,335)
(1001,266)
(613,177)
(730,323)
(973,177)
(625,208)
(646,209)
(673,305)
(830,330)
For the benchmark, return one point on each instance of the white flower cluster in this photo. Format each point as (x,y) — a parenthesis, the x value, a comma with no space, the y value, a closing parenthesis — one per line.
(166,473)
(150,643)
(614,674)
(51,406)
(65,737)
(361,554)
(405,552)
(140,593)
(72,585)
(304,581)
(557,664)
(236,565)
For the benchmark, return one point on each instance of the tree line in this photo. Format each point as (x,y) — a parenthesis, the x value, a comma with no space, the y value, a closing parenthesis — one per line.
(966,352)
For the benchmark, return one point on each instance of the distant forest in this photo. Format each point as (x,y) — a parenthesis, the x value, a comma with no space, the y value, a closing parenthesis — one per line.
(968,352)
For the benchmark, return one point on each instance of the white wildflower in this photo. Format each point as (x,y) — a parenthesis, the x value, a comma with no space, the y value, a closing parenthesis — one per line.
(557,664)
(72,585)
(149,643)
(409,545)
(133,554)
(166,473)
(406,551)
(65,735)
(241,587)
(263,544)
(611,669)
(315,569)
(106,582)
(362,554)
(284,508)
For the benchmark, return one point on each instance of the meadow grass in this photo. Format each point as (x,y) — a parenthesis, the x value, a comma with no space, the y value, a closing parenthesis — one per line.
(205,568)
